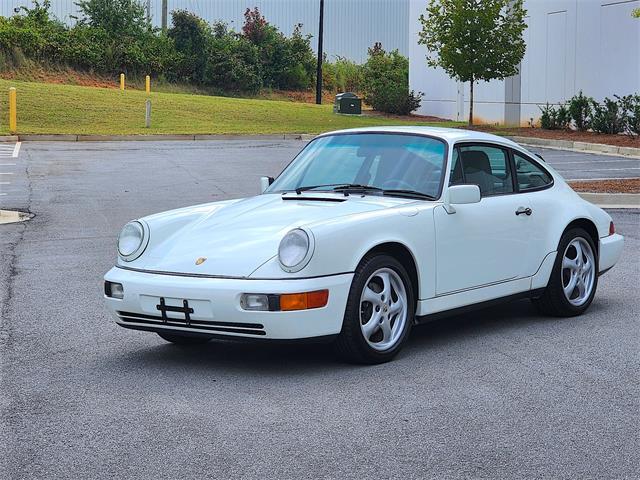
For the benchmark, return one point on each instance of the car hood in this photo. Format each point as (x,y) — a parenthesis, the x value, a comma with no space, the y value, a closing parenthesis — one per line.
(237,237)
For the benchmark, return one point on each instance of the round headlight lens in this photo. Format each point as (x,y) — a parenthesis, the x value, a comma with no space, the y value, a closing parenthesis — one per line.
(293,248)
(130,238)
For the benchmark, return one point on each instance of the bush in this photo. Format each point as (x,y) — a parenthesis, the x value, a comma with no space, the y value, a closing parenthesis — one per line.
(286,63)
(580,111)
(233,64)
(630,105)
(385,83)
(608,117)
(114,36)
(116,17)
(191,36)
(555,118)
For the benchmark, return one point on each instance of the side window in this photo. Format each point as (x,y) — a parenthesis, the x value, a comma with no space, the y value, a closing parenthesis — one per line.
(488,167)
(529,175)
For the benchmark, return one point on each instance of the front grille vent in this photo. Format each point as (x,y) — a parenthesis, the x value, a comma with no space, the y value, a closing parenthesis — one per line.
(209,326)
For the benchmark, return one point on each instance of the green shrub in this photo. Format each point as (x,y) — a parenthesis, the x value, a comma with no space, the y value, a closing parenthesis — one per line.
(286,62)
(191,36)
(116,17)
(233,64)
(580,111)
(555,118)
(348,75)
(386,82)
(630,105)
(608,117)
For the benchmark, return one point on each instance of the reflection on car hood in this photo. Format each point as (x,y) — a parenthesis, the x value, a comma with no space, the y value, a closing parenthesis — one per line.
(237,237)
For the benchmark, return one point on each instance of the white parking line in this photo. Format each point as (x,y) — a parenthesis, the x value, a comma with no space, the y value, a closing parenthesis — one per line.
(7,164)
(2,173)
(16,150)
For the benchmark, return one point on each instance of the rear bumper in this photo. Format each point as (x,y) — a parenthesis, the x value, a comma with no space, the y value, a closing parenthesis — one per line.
(216,305)
(610,251)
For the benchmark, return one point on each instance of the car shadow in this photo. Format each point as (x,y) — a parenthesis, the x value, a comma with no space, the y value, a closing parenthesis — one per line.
(305,358)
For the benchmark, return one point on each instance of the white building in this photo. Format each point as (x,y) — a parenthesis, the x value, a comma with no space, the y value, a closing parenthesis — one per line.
(572,45)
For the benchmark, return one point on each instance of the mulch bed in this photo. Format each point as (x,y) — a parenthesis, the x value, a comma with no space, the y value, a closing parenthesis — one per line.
(631,185)
(590,137)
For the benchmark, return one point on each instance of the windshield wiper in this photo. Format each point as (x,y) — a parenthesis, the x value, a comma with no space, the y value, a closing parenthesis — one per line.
(339,187)
(409,193)
(299,190)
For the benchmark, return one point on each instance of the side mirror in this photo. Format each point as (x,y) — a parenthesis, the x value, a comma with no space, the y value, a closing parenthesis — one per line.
(460,195)
(463,194)
(264,183)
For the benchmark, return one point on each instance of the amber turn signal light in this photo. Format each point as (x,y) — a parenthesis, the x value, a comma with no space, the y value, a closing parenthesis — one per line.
(304,301)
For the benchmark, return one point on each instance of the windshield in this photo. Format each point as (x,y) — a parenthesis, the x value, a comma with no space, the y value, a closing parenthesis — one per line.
(384,161)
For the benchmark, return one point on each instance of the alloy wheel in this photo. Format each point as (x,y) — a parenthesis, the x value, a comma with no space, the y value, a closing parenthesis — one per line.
(578,271)
(383,309)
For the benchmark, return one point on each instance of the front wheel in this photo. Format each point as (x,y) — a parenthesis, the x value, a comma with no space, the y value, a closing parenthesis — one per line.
(574,277)
(380,311)
(184,339)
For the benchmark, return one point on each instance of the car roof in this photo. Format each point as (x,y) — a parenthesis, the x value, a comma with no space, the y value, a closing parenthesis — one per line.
(450,135)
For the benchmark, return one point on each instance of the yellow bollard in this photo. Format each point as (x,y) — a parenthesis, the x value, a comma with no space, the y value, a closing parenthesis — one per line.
(147,84)
(13,110)
(122,82)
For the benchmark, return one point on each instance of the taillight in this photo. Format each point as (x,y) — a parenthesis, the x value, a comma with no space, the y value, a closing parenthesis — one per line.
(612,228)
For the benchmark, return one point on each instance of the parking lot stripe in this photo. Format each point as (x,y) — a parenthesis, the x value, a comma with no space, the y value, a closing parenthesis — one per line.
(16,150)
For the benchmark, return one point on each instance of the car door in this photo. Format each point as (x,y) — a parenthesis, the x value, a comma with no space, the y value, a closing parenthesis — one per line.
(533,183)
(482,243)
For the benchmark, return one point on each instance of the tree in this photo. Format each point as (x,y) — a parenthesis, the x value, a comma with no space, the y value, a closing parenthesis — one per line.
(116,17)
(636,13)
(474,40)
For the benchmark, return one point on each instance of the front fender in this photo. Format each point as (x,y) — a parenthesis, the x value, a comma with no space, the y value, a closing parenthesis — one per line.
(341,244)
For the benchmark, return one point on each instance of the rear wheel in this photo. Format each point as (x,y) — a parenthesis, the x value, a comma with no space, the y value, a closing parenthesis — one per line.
(574,278)
(184,339)
(380,311)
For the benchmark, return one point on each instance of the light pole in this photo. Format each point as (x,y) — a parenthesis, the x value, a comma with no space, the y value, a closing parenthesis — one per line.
(319,67)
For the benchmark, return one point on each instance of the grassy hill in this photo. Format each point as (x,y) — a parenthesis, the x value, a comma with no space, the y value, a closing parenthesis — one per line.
(53,108)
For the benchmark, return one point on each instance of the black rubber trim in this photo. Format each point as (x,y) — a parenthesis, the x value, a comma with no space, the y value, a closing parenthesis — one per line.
(478,306)
(207,322)
(255,339)
(602,272)
(204,275)
(193,325)
(313,199)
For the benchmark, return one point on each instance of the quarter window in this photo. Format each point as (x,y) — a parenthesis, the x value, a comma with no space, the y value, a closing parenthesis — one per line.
(482,165)
(530,176)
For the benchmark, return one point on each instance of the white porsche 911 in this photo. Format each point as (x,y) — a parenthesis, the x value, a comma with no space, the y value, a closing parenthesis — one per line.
(364,234)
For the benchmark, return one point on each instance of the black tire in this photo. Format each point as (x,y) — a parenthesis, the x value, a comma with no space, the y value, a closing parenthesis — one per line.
(179,339)
(553,301)
(351,343)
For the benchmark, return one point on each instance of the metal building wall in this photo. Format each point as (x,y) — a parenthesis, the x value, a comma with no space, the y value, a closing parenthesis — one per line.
(351,26)
(572,45)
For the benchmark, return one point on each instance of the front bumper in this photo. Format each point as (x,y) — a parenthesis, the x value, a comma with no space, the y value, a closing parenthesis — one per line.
(216,305)
(610,251)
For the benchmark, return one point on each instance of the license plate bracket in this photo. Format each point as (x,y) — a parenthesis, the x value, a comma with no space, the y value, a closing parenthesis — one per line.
(164,308)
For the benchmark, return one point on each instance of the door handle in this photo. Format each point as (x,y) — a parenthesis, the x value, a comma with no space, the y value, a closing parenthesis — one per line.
(524,211)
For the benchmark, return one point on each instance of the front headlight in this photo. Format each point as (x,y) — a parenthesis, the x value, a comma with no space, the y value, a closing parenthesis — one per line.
(295,250)
(132,241)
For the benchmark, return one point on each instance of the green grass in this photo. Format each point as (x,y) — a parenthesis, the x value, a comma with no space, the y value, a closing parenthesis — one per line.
(53,108)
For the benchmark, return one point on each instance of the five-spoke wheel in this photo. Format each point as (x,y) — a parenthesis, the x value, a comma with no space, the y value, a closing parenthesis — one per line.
(574,278)
(380,311)
(383,309)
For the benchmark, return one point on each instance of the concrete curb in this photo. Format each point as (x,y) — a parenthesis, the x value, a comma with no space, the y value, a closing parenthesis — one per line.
(577,146)
(612,200)
(36,137)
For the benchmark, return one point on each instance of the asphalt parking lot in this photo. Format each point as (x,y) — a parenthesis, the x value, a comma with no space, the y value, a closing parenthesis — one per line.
(500,393)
